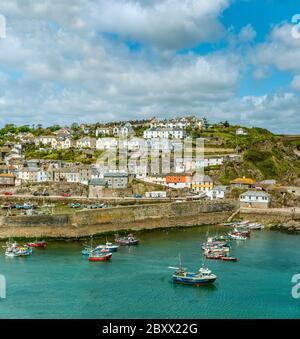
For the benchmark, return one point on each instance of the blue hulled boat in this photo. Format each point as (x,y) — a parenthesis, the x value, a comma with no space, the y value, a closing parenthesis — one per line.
(89,249)
(203,277)
(108,246)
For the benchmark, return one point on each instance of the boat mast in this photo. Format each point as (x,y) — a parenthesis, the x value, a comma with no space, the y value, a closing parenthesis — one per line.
(180,264)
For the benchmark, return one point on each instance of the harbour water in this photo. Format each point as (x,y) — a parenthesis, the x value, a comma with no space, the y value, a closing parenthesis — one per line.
(58,282)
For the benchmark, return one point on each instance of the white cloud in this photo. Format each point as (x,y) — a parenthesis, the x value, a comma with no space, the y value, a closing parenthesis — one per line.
(65,75)
(247,33)
(56,67)
(296,83)
(167,24)
(281,50)
(277,112)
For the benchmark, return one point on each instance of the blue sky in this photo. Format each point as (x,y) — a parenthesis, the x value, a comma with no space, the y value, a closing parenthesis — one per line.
(97,60)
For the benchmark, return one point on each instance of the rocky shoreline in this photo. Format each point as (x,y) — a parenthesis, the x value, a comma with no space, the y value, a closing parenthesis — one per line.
(291,227)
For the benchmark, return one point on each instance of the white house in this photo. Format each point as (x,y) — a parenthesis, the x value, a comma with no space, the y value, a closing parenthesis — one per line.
(164,133)
(218,192)
(66,143)
(54,143)
(86,142)
(241,131)
(181,123)
(156,179)
(61,143)
(213,161)
(66,174)
(133,143)
(106,143)
(156,194)
(44,139)
(101,131)
(159,144)
(63,132)
(44,176)
(124,130)
(255,199)
(27,174)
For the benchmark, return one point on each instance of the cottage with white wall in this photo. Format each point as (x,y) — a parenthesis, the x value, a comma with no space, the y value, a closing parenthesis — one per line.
(86,142)
(218,192)
(156,132)
(241,131)
(102,131)
(44,140)
(255,199)
(124,130)
(106,143)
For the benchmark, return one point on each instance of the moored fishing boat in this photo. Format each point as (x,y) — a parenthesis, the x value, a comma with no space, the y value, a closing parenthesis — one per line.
(218,241)
(38,243)
(228,224)
(223,251)
(255,226)
(213,256)
(12,249)
(128,240)
(237,236)
(102,255)
(242,231)
(221,238)
(109,246)
(215,247)
(88,249)
(203,277)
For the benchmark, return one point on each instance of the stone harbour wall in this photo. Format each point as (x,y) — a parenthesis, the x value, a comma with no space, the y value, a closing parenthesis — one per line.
(137,217)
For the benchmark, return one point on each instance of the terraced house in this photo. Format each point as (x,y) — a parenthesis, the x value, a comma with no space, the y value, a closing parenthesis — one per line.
(202,183)
(179,180)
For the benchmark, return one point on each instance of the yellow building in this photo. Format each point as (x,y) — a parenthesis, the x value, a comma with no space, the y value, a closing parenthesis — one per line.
(202,183)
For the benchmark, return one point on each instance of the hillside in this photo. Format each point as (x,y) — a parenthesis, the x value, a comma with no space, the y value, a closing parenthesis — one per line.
(265,156)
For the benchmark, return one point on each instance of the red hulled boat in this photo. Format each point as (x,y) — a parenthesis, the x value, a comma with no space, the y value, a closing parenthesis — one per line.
(36,243)
(213,256)
(103,255)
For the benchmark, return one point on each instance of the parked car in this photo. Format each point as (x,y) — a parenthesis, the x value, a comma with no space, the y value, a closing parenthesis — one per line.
(36,194)
(7,193)
(93,206)
(65,195)
(74,205)
(43,194)
(138,196)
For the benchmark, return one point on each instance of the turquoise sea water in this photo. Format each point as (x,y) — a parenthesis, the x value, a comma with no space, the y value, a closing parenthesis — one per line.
(59,283)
